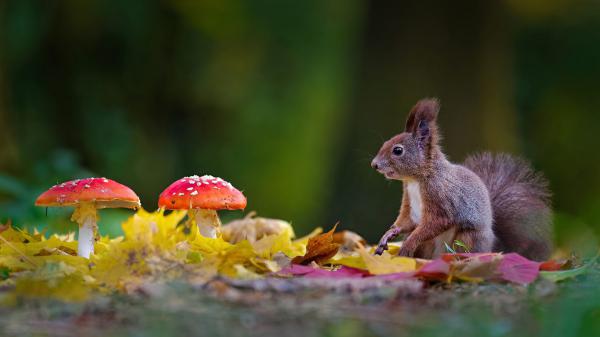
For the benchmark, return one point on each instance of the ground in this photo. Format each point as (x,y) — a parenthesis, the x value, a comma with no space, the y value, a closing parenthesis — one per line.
(303,307)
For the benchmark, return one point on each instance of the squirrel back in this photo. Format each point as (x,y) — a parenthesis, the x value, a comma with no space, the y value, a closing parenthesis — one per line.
(520,203)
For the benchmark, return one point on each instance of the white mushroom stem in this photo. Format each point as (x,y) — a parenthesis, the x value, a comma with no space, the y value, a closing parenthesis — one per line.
(208,222)
(85,246)
(86,216)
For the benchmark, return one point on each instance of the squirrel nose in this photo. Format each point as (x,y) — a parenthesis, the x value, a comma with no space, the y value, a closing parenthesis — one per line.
(374,165)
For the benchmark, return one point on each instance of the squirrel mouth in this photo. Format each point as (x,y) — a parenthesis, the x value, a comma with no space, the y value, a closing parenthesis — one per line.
(389,174)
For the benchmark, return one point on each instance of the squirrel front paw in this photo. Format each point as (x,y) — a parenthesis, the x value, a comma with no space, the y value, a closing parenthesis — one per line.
(381,248)
(383,243)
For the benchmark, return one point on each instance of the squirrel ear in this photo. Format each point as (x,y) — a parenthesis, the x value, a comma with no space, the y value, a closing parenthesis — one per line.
(423,133)
(425,110)
(422,122)
(410,122)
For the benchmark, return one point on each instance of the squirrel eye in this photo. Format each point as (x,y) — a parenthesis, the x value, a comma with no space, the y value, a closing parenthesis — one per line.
(398,150)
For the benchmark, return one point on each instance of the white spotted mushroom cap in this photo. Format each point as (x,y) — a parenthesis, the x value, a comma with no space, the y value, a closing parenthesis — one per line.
(104,193)
(206,192)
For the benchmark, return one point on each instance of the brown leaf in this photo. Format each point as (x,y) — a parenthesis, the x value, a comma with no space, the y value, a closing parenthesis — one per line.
(68,250)
(319,249)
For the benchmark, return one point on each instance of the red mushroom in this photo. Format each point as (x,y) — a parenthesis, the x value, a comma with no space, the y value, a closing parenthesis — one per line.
(202,197)
(88,195)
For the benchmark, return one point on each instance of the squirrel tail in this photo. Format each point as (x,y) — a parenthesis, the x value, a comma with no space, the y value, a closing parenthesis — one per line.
(520,202)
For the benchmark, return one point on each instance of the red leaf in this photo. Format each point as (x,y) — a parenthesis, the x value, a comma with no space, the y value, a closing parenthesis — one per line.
(517,269)
(434,270)
(552,265)
(312,272)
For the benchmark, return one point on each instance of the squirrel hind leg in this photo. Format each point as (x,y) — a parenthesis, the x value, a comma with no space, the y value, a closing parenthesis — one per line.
(426,250)
(473,241)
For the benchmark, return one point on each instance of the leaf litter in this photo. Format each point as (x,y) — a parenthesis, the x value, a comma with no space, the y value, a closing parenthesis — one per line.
(158,248)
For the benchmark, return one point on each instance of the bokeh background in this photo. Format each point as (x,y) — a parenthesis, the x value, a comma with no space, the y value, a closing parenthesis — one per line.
(290,100)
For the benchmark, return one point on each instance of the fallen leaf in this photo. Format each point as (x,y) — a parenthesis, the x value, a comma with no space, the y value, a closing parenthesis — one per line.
(386,263)
(553,265)
(436,270)
(315,272)
(353,260)
(517,269)
(557,276)
(54,280)
(319,249)
(253,228)
(269,245)
(476,267)
(348,240)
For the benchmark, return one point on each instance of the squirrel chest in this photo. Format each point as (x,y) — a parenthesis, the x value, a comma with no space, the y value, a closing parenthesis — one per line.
(415,201)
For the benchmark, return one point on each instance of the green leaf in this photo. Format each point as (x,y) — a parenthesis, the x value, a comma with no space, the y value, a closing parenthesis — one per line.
(557,276)
(462,245)
(194,257)
(449,249)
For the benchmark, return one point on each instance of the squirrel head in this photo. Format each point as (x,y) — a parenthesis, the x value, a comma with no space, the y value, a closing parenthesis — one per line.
(410,154)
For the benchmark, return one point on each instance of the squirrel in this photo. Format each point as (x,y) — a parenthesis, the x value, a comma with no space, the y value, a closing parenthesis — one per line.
(490,203)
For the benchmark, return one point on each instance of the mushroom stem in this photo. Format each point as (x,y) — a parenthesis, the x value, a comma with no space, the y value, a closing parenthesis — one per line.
(85,246)
(86,216)
(208,222)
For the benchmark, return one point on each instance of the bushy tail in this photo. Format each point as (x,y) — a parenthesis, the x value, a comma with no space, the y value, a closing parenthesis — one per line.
(520,202)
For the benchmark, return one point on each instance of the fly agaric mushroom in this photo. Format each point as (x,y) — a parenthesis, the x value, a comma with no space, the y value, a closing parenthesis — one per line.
(88,195)
(202,197)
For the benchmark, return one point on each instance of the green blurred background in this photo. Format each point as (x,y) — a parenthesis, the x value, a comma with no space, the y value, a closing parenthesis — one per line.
(290,100)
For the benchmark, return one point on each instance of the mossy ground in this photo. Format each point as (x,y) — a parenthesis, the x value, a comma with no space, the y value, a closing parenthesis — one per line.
(222,308)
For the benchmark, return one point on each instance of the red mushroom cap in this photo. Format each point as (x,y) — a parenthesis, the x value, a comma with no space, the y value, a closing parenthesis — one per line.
(205,192)
(105,193)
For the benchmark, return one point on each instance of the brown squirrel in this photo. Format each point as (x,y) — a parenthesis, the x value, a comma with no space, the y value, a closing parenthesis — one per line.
(490,203)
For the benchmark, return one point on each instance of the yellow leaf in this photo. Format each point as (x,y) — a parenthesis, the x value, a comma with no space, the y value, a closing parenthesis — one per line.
(121,264)
(224,260)
(206,245)
(54,280)
(270,245)
(386,263)
(245,273)
(355,261)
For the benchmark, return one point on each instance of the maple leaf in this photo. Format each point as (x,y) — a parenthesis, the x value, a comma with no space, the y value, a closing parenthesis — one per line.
(155,229)
(319,249)
(121,265)
(224,261)
(270,245)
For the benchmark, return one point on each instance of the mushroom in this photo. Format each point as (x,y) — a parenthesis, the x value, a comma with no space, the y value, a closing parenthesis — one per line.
(202,197)
(88,195)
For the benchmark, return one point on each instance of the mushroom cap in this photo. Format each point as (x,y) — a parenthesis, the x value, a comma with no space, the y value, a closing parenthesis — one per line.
(206,192)
(104,193)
